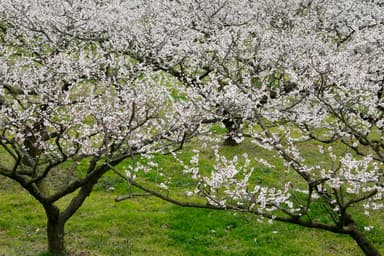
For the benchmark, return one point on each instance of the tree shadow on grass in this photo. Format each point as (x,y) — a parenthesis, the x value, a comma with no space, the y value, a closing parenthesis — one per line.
(209,232)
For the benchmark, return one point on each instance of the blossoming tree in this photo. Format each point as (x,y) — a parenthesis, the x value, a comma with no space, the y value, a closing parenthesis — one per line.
(95,82)
(73,106)
(295,72)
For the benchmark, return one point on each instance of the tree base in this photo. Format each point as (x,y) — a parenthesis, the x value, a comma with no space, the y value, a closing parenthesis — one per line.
(230,142)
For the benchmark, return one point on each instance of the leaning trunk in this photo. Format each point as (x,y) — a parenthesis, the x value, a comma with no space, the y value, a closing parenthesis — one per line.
(363,242)
(55,232)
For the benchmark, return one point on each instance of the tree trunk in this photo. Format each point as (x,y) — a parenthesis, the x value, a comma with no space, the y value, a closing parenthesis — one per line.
(232,131)
(55,231)
(363,242)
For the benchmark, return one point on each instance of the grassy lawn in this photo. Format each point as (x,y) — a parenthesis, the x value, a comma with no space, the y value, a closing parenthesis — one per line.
(149,226)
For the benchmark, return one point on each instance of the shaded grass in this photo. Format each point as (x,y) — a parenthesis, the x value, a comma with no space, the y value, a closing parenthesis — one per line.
(223,233)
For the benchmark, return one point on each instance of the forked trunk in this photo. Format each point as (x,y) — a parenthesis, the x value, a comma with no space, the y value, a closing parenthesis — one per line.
(363,242)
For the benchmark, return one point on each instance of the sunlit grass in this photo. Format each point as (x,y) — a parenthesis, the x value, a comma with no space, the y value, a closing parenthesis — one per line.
(149,226)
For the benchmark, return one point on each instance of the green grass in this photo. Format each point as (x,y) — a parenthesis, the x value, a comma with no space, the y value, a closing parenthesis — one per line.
(148,226)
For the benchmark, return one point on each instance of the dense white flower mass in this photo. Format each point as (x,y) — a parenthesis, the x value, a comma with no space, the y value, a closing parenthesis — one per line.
(106,80)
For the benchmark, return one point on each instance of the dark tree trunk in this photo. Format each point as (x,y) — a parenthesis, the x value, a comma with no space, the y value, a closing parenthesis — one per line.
(232,132)
(55,231)
(363,242)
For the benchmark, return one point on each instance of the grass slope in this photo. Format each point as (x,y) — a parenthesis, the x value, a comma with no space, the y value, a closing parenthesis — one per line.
(148,226)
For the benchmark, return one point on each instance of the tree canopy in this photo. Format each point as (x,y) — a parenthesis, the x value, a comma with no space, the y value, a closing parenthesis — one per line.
(101,81)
